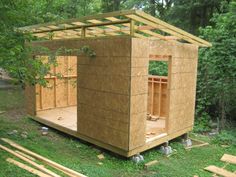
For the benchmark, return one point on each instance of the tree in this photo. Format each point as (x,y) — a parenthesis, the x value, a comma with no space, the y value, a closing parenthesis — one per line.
(216,91)
(110,5)
(192,14)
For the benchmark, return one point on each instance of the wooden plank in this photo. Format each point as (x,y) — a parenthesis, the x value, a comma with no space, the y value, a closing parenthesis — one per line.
(113,27)
(154,34)
(228,158)
(25,155)
(79,20)
(153,24)
(40,167)
(198,145)
(144,29)
(220,171)
(84,25)
(146,165)
(27,168)
(43,159)
(132,27)
(171,27)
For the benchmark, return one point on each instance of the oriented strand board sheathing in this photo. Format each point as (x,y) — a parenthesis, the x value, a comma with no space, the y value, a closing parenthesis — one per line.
(103,92)
(182,84)
(30,100)
(139,92)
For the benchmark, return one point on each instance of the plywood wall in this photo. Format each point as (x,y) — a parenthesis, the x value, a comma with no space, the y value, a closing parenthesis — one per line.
(61,89)
(139,92)
(30,100)
(182,83)
(104,92)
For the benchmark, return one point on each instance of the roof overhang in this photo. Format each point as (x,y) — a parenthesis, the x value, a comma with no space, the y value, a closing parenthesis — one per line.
(129,22)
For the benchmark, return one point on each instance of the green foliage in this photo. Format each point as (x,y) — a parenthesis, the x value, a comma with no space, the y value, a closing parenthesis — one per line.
(202,123)
(216,87)
(225,137)
(14,56)
(159,68)
(192,14)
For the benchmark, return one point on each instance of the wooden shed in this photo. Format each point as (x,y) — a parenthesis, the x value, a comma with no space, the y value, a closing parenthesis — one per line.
(111,100)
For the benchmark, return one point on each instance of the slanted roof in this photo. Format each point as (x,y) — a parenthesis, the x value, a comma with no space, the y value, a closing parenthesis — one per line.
(129,22)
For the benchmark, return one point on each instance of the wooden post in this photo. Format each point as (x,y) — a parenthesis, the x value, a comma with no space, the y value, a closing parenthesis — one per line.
(152,97)
(132,27)
(83,32)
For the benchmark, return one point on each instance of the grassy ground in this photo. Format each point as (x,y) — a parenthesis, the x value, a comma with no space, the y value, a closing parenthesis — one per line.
(82,157)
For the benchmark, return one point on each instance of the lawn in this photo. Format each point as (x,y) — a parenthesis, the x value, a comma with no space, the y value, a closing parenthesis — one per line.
(82,157)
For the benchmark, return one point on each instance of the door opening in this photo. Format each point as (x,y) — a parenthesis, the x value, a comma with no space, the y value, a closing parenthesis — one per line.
(158,97)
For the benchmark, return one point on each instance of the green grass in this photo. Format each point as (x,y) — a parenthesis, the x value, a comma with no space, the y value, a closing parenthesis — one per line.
(82,156)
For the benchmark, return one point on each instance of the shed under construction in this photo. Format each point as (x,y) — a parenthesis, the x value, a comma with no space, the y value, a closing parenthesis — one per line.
(112,100)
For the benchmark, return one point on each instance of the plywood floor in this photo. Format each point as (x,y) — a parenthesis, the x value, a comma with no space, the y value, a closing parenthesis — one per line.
(155,128)
(65,117)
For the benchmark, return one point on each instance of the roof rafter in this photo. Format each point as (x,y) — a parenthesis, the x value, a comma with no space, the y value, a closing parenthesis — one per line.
(130,22)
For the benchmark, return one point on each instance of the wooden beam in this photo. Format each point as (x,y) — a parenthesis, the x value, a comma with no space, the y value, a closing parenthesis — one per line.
(113,27)
(80,26)
(144,29)
(132,27)
(25,155)
(78,20)
(27,168)
(172,28)
(142,20)
(43,159)
(159,57)
(40,167)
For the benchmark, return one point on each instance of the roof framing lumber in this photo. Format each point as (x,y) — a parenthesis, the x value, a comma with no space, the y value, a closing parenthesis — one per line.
(132,22)
(171,27)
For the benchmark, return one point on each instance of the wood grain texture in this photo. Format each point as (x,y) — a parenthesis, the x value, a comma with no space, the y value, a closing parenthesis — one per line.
(41,158)
(182,82)
(228,158)
(27,168)
(220,171)
(103,92)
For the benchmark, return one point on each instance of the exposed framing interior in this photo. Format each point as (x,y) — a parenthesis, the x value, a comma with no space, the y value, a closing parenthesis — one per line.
(57,101)
(158,101)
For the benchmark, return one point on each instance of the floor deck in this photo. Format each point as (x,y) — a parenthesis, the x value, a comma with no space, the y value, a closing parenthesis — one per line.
(155,128)
(65,117)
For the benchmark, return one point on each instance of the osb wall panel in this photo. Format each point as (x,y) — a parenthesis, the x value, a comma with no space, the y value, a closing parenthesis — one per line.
(182,85)
(104,91)
(62,91)
(139,92)
(30,100)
